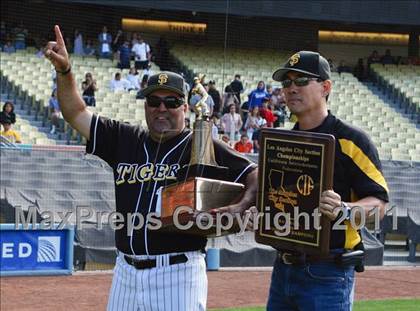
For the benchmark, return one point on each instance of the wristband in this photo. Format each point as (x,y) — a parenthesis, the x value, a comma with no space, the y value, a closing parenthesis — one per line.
(63,73)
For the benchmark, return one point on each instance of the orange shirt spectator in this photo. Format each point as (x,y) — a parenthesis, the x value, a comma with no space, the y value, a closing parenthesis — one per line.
(244,145)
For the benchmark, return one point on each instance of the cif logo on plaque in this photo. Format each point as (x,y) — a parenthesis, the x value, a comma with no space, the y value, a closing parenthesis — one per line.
(305,184)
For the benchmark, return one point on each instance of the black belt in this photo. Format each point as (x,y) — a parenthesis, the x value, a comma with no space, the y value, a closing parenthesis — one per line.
(151,263)
(302,259)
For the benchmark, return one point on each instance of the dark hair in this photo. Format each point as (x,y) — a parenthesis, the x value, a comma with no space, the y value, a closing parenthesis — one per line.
(237,76)
(8,103)
(5,119)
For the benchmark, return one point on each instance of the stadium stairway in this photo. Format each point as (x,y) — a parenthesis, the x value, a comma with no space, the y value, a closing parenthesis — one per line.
(391,102)
(25,112)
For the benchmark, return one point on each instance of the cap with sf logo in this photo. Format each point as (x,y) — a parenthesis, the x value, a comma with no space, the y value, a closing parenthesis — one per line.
(165,80)
(306,62)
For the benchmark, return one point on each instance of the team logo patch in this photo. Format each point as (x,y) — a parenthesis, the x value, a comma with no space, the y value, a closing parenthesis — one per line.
(294,59)
(163,78)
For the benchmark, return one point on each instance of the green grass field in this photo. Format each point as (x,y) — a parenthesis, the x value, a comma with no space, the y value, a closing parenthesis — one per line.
(368,305)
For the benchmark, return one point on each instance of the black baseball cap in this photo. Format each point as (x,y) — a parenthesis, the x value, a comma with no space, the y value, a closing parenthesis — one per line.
(307,62)
(165,80)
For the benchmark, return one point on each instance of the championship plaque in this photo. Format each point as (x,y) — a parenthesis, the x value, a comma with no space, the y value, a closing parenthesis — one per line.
(295,167)
(198,189)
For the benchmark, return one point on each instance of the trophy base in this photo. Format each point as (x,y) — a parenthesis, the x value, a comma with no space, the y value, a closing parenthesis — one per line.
(186,202)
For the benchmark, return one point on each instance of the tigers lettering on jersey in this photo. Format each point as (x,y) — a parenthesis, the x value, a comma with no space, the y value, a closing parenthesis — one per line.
(135,173)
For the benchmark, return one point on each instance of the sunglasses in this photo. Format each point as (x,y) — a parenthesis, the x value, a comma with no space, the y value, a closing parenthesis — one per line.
(170,102)
(301,81)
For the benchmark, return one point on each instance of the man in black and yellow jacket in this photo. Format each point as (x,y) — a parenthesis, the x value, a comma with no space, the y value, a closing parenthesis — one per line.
(299,281)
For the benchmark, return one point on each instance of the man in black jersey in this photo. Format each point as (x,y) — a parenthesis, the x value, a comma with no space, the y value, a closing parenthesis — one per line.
(154,270)
(301,281)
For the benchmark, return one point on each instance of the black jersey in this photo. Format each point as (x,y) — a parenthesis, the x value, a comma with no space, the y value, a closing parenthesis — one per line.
(357,171)
(141,166)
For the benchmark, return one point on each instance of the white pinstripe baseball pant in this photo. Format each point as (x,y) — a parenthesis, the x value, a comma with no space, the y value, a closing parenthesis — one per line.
(178,287)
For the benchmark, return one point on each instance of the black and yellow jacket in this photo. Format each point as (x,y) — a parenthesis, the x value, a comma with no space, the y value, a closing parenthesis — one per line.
(357,171)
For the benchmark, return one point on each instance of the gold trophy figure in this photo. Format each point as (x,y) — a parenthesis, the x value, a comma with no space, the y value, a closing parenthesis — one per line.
(201,109)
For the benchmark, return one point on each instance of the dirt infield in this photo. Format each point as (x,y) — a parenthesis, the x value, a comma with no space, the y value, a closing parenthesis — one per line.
(89,291)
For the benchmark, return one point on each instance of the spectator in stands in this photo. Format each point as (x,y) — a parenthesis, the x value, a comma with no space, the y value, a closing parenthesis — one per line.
(134,38)
(236,87)
(267,113)
(343,67)
(124,54)
(256,140)
(231,123)
(8,47)
(254,122)
(89,48)
(255,98)
(55,112)
(105,40)
(276,97)
(89,88)
(9,112)
(387,59)
(142,54)
(119,84)
(40,51)
(413,60)
(332,65)
(145,76)
(215,126)
(279,107)
(20,33)
(143,81)
(229,98)
(269,90)
(7,132)
(243,145)
(118,40)
(215,95)
(69,42)
(373,58)
(226,140)
(78,43)
(133,78)
(359,71)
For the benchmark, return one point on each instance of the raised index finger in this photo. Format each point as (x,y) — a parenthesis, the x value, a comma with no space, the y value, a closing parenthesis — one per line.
(58,36)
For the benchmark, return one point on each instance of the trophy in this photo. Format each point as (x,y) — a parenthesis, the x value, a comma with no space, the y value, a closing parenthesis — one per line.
(198,188)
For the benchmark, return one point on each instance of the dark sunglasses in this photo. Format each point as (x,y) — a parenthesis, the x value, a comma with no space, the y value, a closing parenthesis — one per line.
(170,102)
(301,81)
